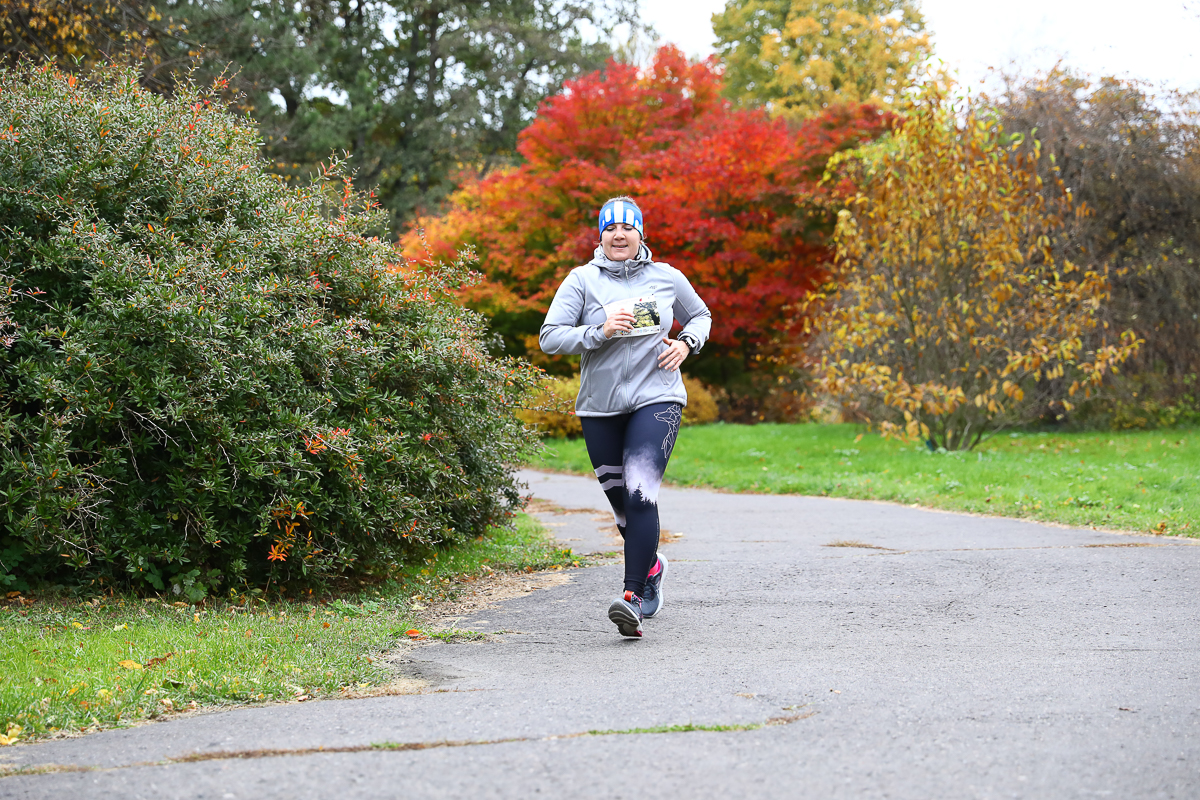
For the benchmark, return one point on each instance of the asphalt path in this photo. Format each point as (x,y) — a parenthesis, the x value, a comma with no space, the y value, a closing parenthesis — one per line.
(951,657)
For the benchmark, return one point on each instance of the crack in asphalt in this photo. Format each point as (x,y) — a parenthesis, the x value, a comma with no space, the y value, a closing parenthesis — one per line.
(397,747)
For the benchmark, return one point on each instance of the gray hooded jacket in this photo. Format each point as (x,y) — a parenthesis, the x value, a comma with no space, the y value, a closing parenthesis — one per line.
(621,374)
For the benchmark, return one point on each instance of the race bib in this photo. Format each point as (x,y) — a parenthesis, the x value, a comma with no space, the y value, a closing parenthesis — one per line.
(646,319)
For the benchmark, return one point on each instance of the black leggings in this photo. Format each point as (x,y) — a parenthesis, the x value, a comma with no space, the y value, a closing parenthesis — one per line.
(629,453)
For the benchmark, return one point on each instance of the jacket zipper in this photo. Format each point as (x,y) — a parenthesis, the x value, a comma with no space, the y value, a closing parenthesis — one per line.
(628,346)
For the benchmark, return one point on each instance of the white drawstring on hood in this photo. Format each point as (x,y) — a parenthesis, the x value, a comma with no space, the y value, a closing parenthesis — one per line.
(618,268)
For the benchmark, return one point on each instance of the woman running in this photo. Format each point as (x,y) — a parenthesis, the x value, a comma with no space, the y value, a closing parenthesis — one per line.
(616,311)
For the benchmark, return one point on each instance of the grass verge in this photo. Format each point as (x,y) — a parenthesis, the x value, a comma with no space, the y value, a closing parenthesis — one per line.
(70,665)
(1130,480)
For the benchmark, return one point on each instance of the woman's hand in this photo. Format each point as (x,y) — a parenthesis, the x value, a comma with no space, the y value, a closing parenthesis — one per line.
(618,321)
(674,355)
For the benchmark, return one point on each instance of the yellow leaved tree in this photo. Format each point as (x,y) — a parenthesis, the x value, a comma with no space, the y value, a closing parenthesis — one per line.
(49,28)
(952,310)
(795,57)
(84,34)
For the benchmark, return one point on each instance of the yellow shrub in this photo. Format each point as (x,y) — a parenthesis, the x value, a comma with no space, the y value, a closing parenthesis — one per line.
(702,405)
(952,311)
(552,410)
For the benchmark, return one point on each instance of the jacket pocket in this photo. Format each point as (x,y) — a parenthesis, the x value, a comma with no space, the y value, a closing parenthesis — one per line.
(662,373)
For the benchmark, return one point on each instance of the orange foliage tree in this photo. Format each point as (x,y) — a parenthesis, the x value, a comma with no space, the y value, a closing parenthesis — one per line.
(730,197)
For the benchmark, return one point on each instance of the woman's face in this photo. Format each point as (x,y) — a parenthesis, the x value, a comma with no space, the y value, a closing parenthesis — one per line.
(620,241)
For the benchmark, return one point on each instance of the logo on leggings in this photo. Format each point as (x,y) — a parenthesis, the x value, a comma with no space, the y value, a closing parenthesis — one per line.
(671,416)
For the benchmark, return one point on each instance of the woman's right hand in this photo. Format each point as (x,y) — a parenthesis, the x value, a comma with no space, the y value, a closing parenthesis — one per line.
(617,321)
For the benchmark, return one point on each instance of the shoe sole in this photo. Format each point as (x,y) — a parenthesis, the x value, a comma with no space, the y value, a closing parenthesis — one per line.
(625,618)
(658,593)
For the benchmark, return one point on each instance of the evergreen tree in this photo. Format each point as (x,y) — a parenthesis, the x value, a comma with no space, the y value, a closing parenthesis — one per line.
(414,91)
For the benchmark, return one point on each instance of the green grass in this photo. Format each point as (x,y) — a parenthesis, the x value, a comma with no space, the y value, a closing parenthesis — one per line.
(81,665)
(1130,480)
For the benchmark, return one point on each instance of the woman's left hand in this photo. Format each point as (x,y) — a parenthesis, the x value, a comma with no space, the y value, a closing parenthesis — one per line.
(674,355)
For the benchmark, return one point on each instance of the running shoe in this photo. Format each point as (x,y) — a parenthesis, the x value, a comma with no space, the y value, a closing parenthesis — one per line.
(626,613)
(652,602)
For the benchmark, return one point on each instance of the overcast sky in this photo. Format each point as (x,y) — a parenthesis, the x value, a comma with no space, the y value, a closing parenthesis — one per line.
(1154,40)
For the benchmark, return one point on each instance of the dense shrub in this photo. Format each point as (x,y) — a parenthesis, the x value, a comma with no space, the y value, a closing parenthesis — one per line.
(216,379)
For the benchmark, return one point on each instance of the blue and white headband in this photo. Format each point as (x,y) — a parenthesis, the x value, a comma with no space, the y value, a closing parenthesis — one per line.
(621,211)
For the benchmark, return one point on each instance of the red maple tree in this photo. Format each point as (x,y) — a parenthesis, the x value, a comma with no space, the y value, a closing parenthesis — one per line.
(730,197)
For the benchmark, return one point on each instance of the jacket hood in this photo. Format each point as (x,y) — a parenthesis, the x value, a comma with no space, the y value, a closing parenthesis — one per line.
(616,268)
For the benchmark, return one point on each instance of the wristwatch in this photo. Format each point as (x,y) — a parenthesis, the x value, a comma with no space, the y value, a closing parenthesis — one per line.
(693,344)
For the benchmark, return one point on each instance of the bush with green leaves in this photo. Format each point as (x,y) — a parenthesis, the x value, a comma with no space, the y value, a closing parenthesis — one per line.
(211,380)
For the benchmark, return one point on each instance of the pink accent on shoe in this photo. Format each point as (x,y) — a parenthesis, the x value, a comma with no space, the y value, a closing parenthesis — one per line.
(657,568)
